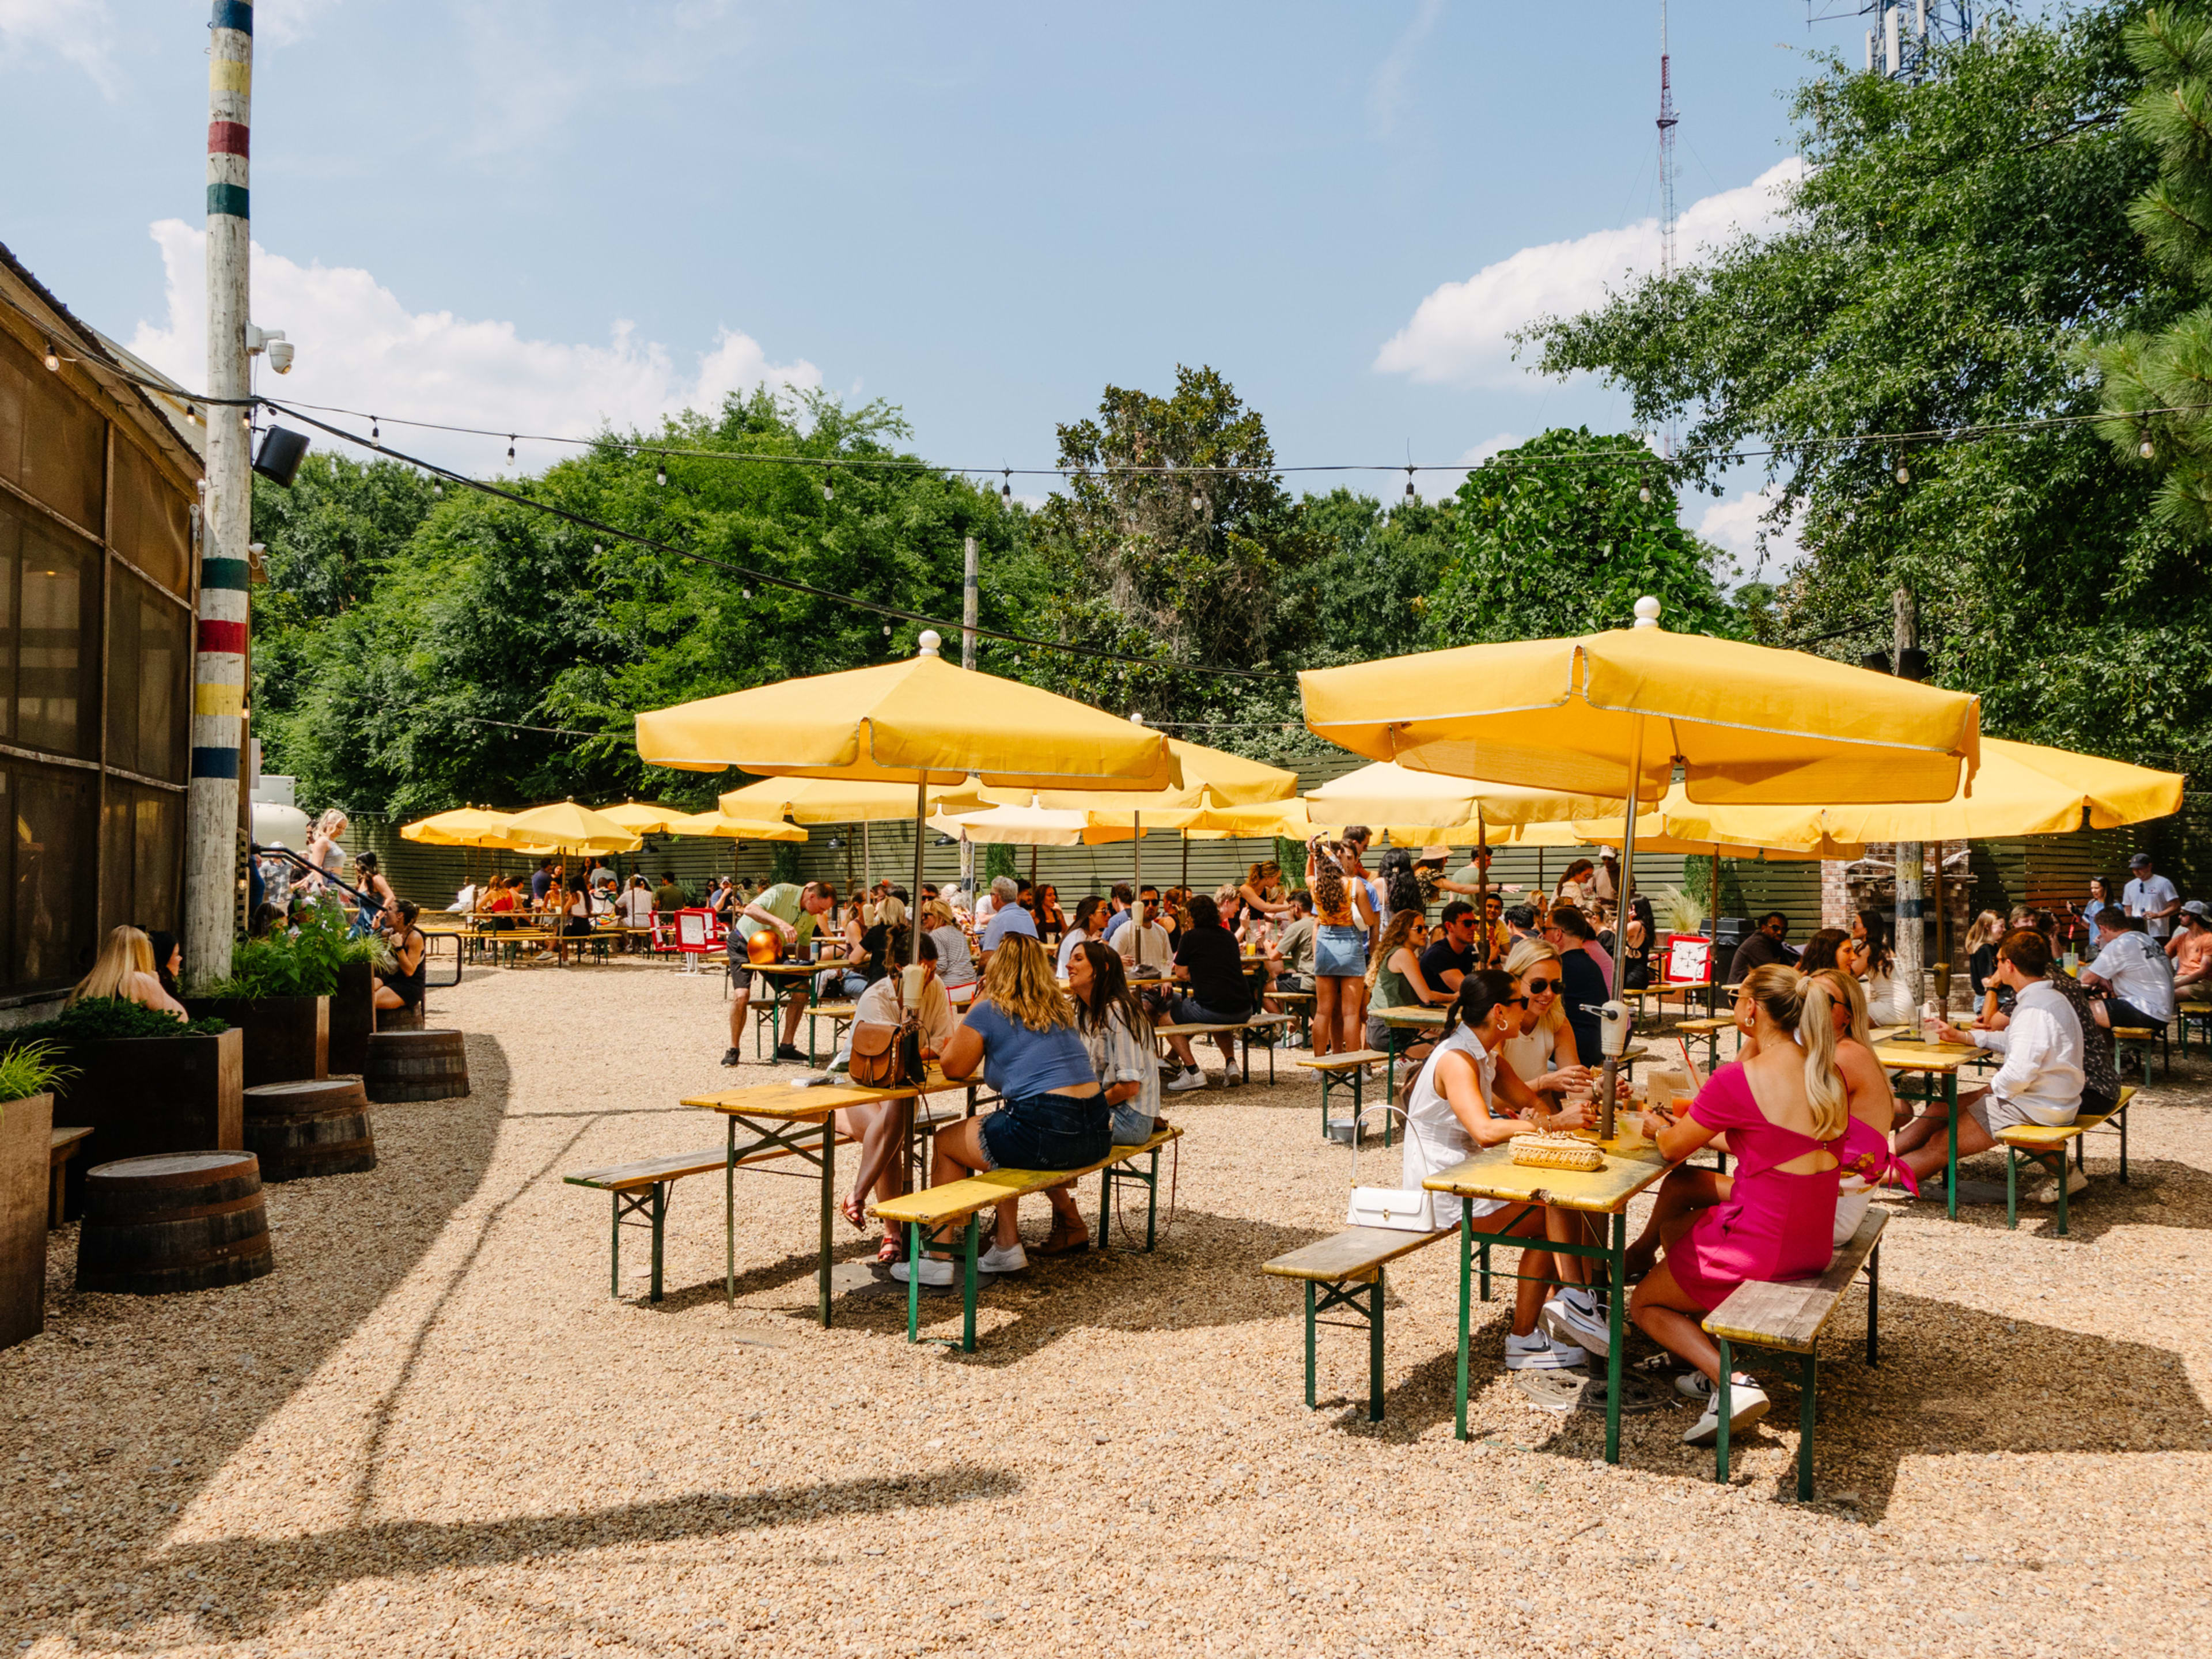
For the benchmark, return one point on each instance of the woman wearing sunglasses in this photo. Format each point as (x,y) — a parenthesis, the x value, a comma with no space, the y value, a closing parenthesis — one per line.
(1542,1054)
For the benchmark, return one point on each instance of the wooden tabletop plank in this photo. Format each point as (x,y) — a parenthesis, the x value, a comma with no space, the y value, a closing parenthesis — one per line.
(795,1104)
(1491,1173)
(1791,1314)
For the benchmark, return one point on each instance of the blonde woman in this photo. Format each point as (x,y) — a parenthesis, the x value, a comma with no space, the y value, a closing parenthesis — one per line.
(956,964)
(1542,1053)
(126,971)
(1783,1103)
(1262,891)
(324,851)
(1021,1035)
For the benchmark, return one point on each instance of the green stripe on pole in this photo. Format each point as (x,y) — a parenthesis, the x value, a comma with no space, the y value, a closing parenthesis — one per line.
(225,573)
(227,198)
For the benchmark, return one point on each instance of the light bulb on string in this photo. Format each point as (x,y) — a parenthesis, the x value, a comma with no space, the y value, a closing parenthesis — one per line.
(1006,490)
(1644,492)
(660,472)
(1409,483)
(1197,502)
(53,359)
(1904,474)
(510,446)
(2145,449)
(376,430)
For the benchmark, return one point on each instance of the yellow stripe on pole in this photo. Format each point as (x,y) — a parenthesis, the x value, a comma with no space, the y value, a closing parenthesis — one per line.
(228,75)
(215,701)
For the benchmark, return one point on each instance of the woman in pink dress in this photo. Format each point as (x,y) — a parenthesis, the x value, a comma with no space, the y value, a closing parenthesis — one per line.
(1780,1106)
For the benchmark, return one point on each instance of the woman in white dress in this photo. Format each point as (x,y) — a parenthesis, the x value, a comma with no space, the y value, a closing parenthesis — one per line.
(1888,1000)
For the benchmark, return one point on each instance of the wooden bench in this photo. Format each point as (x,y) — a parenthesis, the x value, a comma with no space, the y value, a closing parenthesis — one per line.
(1333,1069)
(2037,1142)
(1298,1004)
(1346,1271)
(60,1149)
(2192,1010)
(1258,1023)
(2142,1039)
(933,1207)
(1788,1317)
(839,1014)
(1710,1029)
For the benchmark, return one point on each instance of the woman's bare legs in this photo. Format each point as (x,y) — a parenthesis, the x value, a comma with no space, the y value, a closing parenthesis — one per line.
(1666,1313)
(1322,1028)
(1684,1193)
(957,1154)
(1352,1014)
(879,1129)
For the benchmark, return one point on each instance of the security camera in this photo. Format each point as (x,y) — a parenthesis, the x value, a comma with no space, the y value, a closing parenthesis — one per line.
(280,356)
(272,341)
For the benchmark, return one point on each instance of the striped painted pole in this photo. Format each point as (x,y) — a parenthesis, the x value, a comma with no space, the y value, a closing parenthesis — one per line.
(211,849)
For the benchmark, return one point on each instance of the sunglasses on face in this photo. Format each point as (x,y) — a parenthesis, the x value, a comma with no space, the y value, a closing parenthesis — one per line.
(1537,987)
(1517,1002)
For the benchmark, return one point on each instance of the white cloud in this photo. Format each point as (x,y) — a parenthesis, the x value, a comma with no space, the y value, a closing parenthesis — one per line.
(1439,484)
(1386,89)
(287,23)
(1737,526)
(361,348)
(1458,334)
(78,32)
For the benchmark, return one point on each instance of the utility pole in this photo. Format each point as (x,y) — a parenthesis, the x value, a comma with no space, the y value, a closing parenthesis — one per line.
(969,594)
(211,833)
(1669,120)
(1910,907)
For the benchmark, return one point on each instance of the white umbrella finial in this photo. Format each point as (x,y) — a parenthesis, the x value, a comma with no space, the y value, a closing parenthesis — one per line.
(1647,612)
(929,643)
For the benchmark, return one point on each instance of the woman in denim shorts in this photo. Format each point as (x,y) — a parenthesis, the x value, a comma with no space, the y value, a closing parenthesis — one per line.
(1020,1032)
(1343,913)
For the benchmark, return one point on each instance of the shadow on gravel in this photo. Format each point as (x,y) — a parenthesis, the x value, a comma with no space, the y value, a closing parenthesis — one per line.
(206,1369)
(2158,1192)
(308,1568)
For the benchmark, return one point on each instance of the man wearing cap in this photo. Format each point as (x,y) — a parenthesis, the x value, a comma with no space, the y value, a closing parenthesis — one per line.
(2190,949)
(2150,896)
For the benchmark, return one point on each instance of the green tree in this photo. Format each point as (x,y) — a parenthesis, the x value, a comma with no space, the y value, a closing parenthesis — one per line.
(1369,591)
(1556,538)
(1955,247)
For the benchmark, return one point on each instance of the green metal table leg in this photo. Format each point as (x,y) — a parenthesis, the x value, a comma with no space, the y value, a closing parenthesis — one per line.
(968,1308)
(1465,1309)
(1616,1298)
(829,1211)
(1725,1396)
(1309,1344)
(1951,1169)
(1874,1305)
(1809,1372)
(614,1248)
(730,1220)
(1375,1349)
(914,1281)
(659,1220)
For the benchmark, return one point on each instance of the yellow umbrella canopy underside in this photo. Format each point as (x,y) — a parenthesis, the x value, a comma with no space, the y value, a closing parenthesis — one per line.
(1746,723)
(840,800)
(645,818)
(463,826)
(727,827)
(1211,778)
(920,720)
(1403,798)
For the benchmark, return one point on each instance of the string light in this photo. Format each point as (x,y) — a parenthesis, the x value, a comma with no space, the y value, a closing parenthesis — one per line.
(1409,483)
(53,359)
(827,494)
(510,446)
(660,472)
(376,434)
(1197,502)
(1006,490)
(1902,475)
(1644,494)
(2145,449)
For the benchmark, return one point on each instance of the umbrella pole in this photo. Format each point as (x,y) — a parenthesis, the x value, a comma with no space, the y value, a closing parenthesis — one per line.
(913,931)
(1186,856)
(1482,886)
(867,874)
(1137,908)
(1620,928)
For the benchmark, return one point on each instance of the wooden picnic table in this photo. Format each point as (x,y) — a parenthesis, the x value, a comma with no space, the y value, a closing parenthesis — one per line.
(799,1121)
(1934,1062)
(60,1149)
(1491,1173)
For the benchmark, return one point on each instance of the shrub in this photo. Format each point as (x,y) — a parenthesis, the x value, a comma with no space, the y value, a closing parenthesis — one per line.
(31,1068)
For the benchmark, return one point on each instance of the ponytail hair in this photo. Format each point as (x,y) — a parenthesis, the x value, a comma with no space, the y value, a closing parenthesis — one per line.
(1805,1008)
(1479,993)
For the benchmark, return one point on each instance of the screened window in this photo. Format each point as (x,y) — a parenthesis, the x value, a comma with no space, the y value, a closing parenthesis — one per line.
(49,865)
(52,641)
(148,663)
(52,443)
(141,835)
(153,526)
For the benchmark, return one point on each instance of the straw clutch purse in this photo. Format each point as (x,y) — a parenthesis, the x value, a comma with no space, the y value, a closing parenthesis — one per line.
(1555,1151)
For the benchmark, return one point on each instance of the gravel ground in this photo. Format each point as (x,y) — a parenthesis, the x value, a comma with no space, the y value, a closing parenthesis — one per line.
(432,1431)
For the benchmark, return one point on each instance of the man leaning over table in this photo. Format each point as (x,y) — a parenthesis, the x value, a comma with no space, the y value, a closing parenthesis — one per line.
(2041,1078)
(792,912)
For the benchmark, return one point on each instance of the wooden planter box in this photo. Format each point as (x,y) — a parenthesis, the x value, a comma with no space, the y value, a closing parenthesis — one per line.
(140,1096)
(353,1017)
(26,1131)
(288,1039)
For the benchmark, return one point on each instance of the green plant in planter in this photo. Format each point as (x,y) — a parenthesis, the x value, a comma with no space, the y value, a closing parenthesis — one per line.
(106,1019)
(301,962)
(31,1068)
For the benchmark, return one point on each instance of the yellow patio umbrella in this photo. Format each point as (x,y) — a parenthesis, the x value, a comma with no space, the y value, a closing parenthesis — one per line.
(840,800)
(1615,713)
(1401,797)
(646,817)
(919,722)
(463,826)
(724,826)
(1032,825)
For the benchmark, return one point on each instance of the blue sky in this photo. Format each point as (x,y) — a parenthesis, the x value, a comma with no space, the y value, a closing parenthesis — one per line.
(539,214)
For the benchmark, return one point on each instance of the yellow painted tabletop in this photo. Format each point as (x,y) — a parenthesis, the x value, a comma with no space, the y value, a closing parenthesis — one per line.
(787,1101)
(1901,1056)
(1491,1173)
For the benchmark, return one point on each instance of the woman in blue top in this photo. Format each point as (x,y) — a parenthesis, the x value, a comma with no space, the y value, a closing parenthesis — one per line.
(1020,1032)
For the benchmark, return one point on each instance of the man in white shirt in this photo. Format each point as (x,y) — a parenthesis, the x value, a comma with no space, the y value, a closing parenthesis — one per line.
(2040,1081)
(2150,896)
(2132,972)
(465,900)
(1145,947)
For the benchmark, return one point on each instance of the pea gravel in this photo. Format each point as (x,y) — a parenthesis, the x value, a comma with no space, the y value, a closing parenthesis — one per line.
(432,1431)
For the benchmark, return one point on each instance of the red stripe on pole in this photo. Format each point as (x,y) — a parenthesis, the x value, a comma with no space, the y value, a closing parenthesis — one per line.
(226,137)
(223,636)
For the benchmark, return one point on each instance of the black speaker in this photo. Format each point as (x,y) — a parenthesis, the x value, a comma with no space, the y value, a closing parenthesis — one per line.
(282,451)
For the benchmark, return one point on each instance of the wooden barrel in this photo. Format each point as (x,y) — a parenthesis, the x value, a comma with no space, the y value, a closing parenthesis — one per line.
(309,1129)
(400,1019)
(176,1221)
(416,1065)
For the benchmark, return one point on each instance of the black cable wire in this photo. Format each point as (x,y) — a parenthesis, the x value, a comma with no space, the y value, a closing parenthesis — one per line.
(764,578)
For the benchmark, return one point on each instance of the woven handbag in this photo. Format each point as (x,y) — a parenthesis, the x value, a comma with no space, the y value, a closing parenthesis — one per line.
(1557,1152)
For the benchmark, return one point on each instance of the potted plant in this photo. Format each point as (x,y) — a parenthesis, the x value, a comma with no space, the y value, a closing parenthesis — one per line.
(279,993)
(28,1071)
(143,1082)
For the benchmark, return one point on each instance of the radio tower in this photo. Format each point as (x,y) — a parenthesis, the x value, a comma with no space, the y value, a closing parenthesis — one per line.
(1668,119)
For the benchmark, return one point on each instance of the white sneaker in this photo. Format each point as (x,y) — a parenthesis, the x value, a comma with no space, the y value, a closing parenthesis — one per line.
(1747,1403)
(1695,1385)
(1539,1351)
(1184,1084)
(936,1272)
(1012,1260)
(2076,1182)
(1569,1322)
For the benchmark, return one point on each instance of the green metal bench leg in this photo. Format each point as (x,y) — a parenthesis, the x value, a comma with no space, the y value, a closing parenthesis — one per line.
(1465,1308)
(1105,1208)
(2012,1187)
(1153,1204)
(2124,1144)
(614,1248)
(1375,1349)
(914,1233)
(1874,1305)
(967,1293)
(2062,1184)
(1724,1397)
(660,1191)
(1810,1372)
(1309,1344)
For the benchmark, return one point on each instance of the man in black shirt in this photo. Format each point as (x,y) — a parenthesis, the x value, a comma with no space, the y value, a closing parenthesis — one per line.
(1207,961)
(1762,948)
(1581,981)
(1450,954)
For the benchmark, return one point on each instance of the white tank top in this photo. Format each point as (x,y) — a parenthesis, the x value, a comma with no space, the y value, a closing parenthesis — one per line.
(1435,1138)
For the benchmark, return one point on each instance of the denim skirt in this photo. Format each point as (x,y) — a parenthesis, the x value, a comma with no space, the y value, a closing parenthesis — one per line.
(1340,953)
(1047,1132)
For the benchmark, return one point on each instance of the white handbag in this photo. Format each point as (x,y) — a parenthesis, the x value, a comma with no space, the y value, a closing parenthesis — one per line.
(1405,1209)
